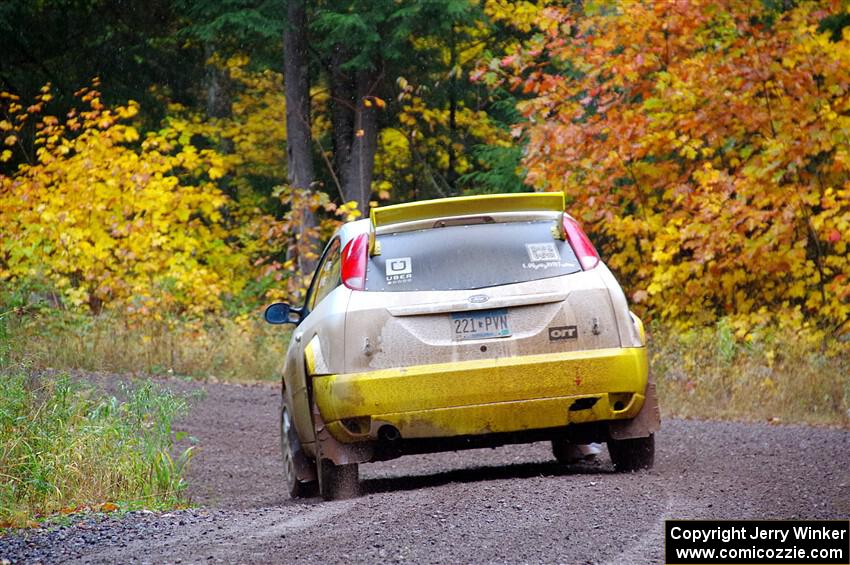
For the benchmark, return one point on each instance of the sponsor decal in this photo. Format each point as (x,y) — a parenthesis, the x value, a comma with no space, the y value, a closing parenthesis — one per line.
(544,256)
(561,333)
(542,252)
(399,270)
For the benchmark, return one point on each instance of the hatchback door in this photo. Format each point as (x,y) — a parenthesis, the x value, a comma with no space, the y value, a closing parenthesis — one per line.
(476,288)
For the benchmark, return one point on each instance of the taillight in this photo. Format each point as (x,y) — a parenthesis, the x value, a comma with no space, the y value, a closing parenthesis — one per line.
(355,254)
(584,250)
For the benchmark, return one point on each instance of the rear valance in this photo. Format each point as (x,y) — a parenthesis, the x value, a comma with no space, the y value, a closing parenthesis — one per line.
(468,206)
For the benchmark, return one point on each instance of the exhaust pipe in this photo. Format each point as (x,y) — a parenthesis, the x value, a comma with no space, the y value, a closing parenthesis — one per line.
(389,434)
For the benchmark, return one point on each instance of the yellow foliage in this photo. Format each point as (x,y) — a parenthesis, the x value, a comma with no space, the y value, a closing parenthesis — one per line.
(113,218)
(423,135)
(522,14)
(109,222)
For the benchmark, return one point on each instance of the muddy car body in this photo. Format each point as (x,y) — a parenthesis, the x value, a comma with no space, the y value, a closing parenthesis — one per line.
(458,323)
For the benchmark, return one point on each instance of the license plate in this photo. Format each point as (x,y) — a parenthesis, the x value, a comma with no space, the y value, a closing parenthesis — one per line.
(480,324)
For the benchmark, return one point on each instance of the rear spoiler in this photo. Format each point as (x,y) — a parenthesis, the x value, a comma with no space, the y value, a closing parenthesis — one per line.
(468,206)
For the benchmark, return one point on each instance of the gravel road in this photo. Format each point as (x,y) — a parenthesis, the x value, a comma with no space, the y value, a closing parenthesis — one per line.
(511,504)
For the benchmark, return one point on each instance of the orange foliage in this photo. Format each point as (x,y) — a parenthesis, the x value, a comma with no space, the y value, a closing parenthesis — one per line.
(706,146)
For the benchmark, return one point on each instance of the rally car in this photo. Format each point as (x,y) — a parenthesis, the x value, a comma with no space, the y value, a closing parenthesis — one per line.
(459,323)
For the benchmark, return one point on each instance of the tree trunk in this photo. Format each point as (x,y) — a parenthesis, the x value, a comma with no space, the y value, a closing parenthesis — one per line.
(358,167)
(219,100)
(299,171)
(343,103)
(451,172)
(219,87)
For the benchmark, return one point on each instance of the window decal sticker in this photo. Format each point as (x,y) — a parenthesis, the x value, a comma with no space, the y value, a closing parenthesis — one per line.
(563,332)
(542,252)
(544,256)
(399,270)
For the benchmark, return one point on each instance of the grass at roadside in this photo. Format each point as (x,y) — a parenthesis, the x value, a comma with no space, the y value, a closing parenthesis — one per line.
(235,349)
(65,445)
(775,376)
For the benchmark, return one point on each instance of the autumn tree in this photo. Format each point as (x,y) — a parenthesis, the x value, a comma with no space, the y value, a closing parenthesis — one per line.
(705,146)
(402,113)
(360,73)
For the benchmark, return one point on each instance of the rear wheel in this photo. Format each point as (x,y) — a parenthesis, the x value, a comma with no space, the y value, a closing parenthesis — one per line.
(338,481)
(632,454)
(292,455)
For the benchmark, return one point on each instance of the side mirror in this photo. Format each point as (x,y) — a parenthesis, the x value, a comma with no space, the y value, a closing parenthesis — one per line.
(282,313)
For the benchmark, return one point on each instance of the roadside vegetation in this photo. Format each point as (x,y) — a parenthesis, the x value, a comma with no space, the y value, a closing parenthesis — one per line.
(236,349)
(67,447)
(768,374)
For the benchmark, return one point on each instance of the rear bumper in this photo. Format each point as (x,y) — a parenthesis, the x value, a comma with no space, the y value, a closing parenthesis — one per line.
(485,396)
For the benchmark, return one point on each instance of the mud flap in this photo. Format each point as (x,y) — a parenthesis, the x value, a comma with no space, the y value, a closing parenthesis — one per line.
(647,422)
(305,471)
(328,447)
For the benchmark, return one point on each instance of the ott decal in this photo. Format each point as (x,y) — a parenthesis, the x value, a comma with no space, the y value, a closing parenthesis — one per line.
(561,333)
(399,270)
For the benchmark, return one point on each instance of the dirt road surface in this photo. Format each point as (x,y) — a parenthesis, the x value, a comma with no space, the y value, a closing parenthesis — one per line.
(505,505)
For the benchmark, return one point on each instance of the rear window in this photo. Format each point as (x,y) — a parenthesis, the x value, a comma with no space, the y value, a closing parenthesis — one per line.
(469,257)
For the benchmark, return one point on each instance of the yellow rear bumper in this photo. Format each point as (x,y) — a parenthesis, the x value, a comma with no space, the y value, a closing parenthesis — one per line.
(485,396)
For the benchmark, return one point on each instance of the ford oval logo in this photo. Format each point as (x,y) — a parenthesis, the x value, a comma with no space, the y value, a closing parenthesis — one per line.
(479,298)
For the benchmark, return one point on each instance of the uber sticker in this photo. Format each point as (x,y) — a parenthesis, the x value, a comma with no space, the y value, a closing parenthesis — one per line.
(563,332)
(542,252)
(399,270)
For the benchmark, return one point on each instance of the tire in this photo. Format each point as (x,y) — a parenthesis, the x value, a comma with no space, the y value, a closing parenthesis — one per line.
(632,454)
(338,481)
(293,456)
(563,451)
